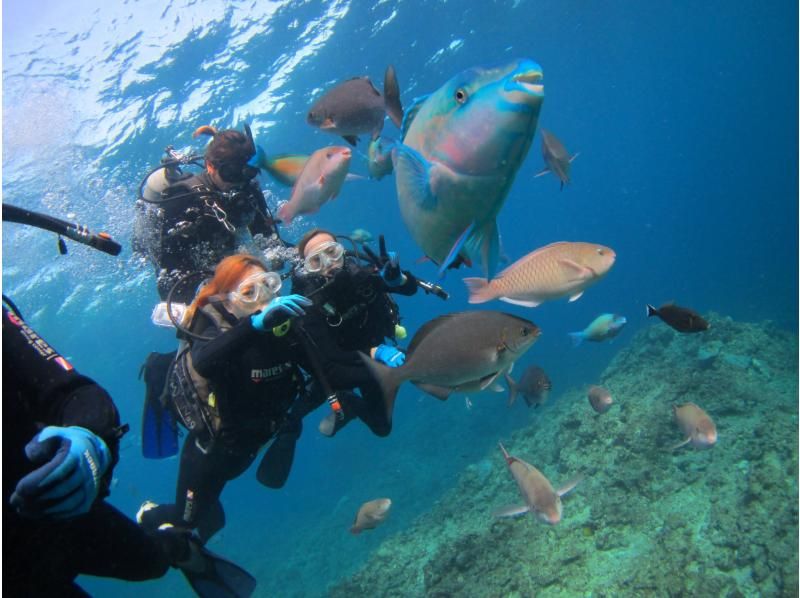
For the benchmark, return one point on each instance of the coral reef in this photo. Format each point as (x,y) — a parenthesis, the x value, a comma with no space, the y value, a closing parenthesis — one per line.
(646,521)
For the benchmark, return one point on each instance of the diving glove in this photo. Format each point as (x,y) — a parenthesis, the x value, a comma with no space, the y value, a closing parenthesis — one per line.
(390,356)
(276,310)
(391,273)
(73,461)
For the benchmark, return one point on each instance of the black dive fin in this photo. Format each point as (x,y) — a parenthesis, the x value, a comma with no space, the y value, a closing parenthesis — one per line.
(218,577)
(273,471)
(159,428)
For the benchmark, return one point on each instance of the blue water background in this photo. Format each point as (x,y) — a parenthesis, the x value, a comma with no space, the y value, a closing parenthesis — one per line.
(684,113)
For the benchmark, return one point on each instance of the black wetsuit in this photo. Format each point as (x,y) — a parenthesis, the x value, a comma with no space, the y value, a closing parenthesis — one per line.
(195,226)
(255,379)
(42,557)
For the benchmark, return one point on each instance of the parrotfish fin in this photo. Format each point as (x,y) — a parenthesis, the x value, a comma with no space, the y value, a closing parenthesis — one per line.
(485,243)
(520,302)
(569,486)
(680,444)
(542,172)
(651,311)
(577,337)
(391,96)
(575,297)
(413,176)
(455,250)
(354,177)
(580,272)
(512,389)
(510,511)
(351,139)
(410,113)
(575,155)
(259,159)
(440,392)
(204,130)
(285,214)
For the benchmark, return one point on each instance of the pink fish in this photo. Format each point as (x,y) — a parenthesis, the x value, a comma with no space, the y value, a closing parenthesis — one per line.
(600,399)
(371,515)
(696,425)
(540,498)
(321,180)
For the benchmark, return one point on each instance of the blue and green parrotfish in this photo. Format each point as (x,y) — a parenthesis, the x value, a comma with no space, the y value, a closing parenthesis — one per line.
(602,328)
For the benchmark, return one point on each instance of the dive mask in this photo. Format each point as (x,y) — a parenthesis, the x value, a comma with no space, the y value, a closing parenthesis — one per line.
(326,255)
(256,290)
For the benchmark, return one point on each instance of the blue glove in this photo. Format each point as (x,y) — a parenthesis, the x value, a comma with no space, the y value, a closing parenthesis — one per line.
(389,355)
(73,461)
(391,273)
(267,318)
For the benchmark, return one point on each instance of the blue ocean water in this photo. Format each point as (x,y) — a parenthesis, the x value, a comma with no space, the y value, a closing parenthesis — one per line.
(684,114)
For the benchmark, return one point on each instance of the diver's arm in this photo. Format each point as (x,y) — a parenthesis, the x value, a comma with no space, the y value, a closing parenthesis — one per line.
(209,356)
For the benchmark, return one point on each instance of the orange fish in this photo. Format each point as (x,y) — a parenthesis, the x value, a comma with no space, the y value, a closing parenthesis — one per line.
(696,425)
(371,515)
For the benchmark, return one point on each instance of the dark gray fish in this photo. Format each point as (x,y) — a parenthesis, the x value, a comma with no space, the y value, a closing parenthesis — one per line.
(681,319)
(600,398)
(556,158)
(534,386)
(355,107)
(457,350)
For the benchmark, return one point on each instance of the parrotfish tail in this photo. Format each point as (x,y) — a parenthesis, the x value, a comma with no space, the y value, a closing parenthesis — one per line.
(389,379)
(506,456)
(204,130)
(651,311)
(391,96)
(512,389)
(285,214)
(259,159)
(484,242)
(455,250)
(479,290)
(577,338)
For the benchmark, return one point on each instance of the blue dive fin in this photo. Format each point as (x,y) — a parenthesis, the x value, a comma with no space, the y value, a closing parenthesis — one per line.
(212,576)
(454,251)
(411,170)
(484,243)
(159,428)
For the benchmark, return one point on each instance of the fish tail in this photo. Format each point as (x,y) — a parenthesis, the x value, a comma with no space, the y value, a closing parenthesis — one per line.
(355,531)
(577,338)
(484,243)
(391,96)
(513,390)
(389,379)
(285,214)
(204,130)
(651,311)
(480,291)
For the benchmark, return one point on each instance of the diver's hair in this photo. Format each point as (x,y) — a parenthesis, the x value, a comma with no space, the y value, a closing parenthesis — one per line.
(301,244)
(227,147)
(227,276)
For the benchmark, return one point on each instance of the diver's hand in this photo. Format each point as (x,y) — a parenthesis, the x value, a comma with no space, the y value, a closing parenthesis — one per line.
(291,305)
(73,461)
(390,356)
(391,273)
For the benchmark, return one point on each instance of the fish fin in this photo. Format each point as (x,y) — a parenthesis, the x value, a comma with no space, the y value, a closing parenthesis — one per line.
(354,177)
(575,155)
(204,130)
(487,381)
(513,391)
(355,530)
(410,113)
(680,444)
(542,172)
(651,311)
(575,297)
(520,302)
(497,387)
(440,392)
(455,250)
(422,260)
(285,168)
(582,272)
(389,380)
(484,242)
(391,96)
(569,486)
(285,214)
(510,511)
(577,338)
(321,180)
(413,176)
(351,139)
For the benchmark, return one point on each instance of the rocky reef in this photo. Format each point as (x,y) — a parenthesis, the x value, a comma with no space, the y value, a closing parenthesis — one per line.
(646,520)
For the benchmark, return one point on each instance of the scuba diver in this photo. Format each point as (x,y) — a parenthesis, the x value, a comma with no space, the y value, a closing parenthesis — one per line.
(60,446)
(234,383)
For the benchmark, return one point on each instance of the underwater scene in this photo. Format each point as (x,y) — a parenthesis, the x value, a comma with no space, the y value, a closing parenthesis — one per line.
(582,219)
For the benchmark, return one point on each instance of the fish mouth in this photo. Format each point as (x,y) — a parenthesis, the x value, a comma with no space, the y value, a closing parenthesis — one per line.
(530,81)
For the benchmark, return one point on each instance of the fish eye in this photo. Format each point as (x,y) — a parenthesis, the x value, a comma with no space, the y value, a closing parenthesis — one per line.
(310,116)
(461,96)
(328,154)
(600,251)
(525,331)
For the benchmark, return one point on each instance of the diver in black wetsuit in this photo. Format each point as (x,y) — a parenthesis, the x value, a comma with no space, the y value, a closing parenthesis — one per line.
(234,383)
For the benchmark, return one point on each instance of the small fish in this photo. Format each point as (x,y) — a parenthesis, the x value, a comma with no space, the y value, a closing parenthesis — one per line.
(681,319)
(371,515)
(468,403)
(556,158)
(534,386)
(600,399)
(550,272)
(354,107)
(540,498)
(379,159)
(696,425)
(320,181)
(361,235)
(602,328)
(284,168)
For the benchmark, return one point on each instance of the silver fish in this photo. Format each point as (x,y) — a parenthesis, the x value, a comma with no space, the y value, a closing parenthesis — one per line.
(556,158)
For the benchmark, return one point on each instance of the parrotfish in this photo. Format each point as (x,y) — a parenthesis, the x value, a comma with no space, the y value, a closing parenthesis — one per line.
(599,398)
(320,181)
(696,425)
(681,319)
(540,498)
(354,107)
(557,270)
(371,515)
(556,158)
(379,159)
(602,328)
(284,168)
(461,148)
(457,351)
